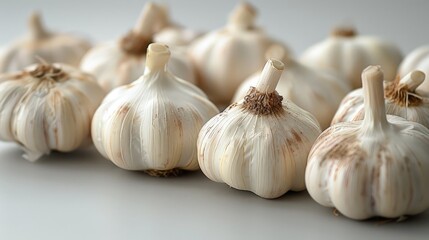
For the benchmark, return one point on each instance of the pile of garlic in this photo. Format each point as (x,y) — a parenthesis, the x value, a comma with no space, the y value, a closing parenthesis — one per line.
(120,62)
(375,167)
(152,124)
(42,43)
(417,60)
(48,107)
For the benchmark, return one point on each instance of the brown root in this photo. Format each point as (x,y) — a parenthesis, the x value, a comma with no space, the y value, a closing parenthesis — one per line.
(135,44)
(164,173)
(262,103)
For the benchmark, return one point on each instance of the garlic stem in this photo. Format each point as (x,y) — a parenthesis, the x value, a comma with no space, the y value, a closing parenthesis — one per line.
(375,110)
(243,16)
(157,57)
(148,18)
(344,32)
(270,76)
(37,30)
(413,80)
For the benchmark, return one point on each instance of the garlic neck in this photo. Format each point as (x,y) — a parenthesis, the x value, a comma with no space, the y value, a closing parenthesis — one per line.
(375,112)
(263,99)
(243,17)
(48,72)
(37,30)
(157,58)
(398,92)
(345,32)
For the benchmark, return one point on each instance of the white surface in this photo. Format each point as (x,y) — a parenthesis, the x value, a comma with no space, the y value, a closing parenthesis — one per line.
(83,196)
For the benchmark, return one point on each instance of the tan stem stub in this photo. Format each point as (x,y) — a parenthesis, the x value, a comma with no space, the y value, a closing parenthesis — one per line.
(375,109)
(243,16)
(262,103)
(48,72)
(270,76)
(157,56)
(135,44)
(344,32)
(164,173)
(36,27)
(398,92)
(151,17)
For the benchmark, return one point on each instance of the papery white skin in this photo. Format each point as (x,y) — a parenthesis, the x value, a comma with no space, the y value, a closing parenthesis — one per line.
(152,123)
(349,55)
(374,167)
(44,115)
(113,66)
(352,107)
(318,92)
(226,57)
(40,43)
(264,154)
(417,60)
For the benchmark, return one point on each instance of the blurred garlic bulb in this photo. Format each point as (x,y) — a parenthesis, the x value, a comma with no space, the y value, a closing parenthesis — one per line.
(225,58)
(318,92)
(50,46)
(375,167)
(259,144)
(121,62)
(173,34)
(347,53)
(401,100)
(417,60)
(48,107)
(152,124)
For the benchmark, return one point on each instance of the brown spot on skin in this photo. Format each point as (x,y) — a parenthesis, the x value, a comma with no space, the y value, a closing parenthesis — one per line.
(397,93)
(135,44)
(296,136)
(261,103)
(124,109)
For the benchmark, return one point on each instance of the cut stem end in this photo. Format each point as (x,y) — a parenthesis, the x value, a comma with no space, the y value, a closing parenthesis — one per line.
(157,56)
(243,16)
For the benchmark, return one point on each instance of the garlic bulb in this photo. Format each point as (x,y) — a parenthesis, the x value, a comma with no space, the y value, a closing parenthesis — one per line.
(259,144)
(152,124)
(48,107)
(318,92)
(348,54)
(50,46)
(123,61)
(401,100)
(173,34)
(375,167)
(417,60)
(226,57)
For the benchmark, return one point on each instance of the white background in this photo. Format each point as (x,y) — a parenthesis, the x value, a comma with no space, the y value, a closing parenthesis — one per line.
(83,196)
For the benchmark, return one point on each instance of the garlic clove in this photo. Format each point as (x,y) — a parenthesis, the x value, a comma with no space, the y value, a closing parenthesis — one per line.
(42,43)
(347,53)
(401,99)
(120,62)
(152,124)
(48,107)
(367,168)
(317,91)
(260,143)
(226,57)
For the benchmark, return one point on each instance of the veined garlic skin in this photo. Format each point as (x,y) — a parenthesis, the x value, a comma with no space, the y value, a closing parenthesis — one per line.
(316,91)
(48,107)
(120,62)
(347,53)
(401,100)
(225,58)
(259,144)
(41,43)
(152,124)
(417,60)
(375,167)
